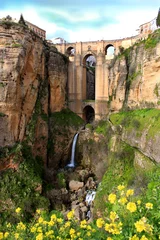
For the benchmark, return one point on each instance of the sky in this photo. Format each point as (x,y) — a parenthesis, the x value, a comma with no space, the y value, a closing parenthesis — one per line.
(83,20)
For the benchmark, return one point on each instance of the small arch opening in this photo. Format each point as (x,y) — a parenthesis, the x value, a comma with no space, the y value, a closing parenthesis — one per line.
(109,50)
(70,51)
(89,65)
(88,114)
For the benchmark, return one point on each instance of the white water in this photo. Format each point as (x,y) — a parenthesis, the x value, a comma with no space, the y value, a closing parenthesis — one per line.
(72,162)
(90,197)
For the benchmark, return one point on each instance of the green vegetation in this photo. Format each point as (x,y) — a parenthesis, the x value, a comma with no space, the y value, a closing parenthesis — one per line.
(2,114)
(139,119)
(103,127)
(158,19)
(61,180)
(66,118)
(21,185)
(126,216)
(156,90)
(16,45)
(120,169)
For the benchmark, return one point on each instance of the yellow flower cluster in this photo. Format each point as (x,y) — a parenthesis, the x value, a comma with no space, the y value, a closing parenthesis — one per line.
(100,222)
(18,210)
(149,205)
(113,216)
(70,215)
(131,206)
(135,237)
(113,228)
(112,198)
(120,187)
(142,225)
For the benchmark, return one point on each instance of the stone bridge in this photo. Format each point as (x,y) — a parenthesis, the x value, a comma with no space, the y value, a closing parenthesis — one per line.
(87,89)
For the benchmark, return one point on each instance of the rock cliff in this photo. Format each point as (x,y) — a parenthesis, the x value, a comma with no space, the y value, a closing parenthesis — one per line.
(134,76)
(33,78)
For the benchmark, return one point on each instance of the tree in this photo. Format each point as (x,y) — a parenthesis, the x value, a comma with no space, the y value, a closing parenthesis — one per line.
(21,20)
(158,19)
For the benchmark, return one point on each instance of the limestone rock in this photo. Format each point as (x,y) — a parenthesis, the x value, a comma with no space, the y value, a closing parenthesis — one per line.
(75,185)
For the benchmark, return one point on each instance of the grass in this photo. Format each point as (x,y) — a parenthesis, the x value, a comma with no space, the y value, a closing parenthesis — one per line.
(139,120)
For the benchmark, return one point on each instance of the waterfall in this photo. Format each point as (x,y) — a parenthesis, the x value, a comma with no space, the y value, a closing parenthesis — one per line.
(72,161)
(89,200)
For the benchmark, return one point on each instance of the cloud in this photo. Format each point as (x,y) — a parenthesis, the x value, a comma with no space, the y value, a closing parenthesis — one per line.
(84,20)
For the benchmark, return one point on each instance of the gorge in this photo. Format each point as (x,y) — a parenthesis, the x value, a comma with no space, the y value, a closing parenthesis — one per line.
(37,128)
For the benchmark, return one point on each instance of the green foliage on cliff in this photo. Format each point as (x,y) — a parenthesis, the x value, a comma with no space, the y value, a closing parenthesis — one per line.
(120,170)
(139,119)
(21,186)
(66,118)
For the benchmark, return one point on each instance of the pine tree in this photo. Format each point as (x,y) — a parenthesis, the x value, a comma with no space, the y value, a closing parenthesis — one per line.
(21,20)
(158,19)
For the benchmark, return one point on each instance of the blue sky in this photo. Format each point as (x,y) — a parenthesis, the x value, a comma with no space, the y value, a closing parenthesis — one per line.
(84,20)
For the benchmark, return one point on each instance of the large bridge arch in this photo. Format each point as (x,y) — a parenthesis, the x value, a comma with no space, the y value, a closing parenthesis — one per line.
(88,79)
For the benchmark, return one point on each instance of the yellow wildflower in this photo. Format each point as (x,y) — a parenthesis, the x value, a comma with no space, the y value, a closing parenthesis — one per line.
(88,234)
(18,210)
(109,238)
(38,211)
(100,222)
(113,228)
(139,202)
(21,226)
(67,224)
(72,231)
(53,217)
(83,224)
(112,198)
(6,234)
(1,235)
(89,227)
(59,220)
(40,220)
(122,200)
(51,223)
(134,237)
(33,229)
(39,229)
(49,233)
(70,215)
(121,187)
(129,192)
(149,205)
(39,236)
(131,206)
(8,225)
(113,216)
(142,225)
(144,238)
(16,235)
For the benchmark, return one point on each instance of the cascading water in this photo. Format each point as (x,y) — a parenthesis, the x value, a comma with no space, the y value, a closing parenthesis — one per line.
(89,199)
(72,161)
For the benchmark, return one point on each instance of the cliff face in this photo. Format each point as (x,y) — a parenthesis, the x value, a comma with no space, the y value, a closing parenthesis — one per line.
(32,84)
(134,76)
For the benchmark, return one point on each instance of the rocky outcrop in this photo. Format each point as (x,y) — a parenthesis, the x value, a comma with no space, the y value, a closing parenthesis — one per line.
(32,85)
(133,77)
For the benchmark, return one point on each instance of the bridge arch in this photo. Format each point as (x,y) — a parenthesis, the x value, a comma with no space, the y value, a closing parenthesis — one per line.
(109,49)
(89,66)
(88,114)
(70,51)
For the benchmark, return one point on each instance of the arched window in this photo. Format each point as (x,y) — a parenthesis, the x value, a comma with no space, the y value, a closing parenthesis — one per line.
(88,114)
(89,63)
(109,50)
